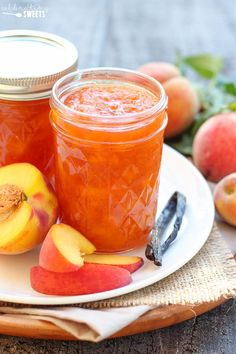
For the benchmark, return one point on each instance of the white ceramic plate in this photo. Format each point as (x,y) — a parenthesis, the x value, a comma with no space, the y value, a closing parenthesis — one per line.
(177,173)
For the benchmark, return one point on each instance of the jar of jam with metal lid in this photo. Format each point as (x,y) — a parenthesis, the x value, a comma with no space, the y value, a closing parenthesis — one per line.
(30,63)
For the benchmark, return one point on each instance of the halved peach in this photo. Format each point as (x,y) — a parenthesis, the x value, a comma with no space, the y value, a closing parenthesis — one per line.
(63,248)
(28,208)
(130,263)
(89,279)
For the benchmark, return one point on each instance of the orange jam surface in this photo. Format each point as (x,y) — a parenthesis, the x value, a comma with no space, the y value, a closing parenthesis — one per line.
(111,100)
(107,180)
(26,134)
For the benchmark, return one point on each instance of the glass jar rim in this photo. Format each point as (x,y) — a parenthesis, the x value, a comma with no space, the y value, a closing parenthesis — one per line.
(127,117)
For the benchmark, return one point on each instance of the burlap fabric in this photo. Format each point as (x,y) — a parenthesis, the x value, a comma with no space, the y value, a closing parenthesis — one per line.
(209,276)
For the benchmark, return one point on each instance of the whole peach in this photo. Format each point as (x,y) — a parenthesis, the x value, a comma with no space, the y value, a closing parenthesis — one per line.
(160,71)
(183,104)
(225,198)
(214,147)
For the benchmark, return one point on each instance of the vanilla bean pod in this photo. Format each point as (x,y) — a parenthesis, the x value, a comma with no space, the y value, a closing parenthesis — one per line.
(153,250)
(175,205)
(180,210)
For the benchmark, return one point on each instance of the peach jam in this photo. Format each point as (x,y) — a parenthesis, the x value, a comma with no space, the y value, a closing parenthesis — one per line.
(30,63)
(108,126)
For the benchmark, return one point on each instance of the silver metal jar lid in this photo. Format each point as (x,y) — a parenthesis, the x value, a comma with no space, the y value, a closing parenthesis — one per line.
(31,62)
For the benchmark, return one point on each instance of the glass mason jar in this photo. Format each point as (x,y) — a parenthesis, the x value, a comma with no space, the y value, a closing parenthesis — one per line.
(26,134)
(30,63)
(107,168)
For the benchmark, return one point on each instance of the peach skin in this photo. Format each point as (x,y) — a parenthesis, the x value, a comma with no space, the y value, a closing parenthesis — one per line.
(63,248)
(214,147)
(28,208)
(183,104)
(160,71)
(89,279)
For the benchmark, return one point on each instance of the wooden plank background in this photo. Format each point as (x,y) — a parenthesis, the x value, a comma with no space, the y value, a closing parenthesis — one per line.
(127,33)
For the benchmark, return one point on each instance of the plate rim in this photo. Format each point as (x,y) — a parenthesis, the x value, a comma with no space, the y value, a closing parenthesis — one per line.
(66,300)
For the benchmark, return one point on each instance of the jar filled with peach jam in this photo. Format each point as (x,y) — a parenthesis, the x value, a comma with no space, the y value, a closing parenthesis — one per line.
(108,126)
(30,63)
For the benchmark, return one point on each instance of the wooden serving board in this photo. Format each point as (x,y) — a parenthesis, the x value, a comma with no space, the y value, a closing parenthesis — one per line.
(159,318)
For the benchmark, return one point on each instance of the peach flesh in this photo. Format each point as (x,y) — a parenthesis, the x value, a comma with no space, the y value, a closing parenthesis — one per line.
(51,259)
(130,263)
(19,184)
(63,248)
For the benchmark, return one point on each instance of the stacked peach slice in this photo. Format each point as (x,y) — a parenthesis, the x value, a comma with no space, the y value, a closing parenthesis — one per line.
(68,265)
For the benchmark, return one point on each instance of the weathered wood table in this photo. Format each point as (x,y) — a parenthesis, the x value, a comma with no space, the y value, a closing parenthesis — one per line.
(127,33)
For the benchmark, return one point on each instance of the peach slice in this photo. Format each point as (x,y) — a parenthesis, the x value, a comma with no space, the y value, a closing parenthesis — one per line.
(89,279)
(62,249)
(28,208)
(130,263)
